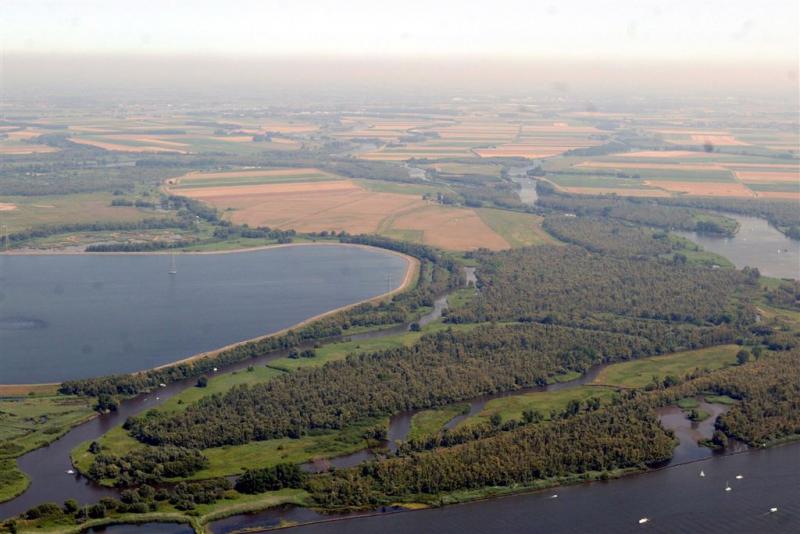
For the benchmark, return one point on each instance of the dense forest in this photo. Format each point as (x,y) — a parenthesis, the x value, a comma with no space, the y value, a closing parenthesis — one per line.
(440,369)
(607,236)
(617,437)
(553,281)
(647,211)
(785,295)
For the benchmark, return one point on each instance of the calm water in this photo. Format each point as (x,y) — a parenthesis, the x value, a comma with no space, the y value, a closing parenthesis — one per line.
(146,528)
(64,317)
(756,244)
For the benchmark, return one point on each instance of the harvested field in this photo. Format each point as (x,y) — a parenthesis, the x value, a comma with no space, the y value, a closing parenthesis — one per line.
(5,206)
(289,127)
(343,205)
(450,228)
(627,192)
(751,176)
(251,176)
(150,140)
(718,140)
(520,151)
(20,135)
(712,189)
(309,206)
(116,147)
(777,166)
(655,166)
(12,150)
(662,154)
(269,189)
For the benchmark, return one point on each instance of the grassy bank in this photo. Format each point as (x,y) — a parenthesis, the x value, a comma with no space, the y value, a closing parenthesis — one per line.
(639,373)
(428,422)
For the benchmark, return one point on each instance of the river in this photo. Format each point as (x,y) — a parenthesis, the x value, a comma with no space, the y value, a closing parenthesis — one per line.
(756,244)
(107,314)
(674,499)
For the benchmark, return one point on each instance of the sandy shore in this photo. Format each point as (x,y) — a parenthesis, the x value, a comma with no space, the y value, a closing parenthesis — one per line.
(75,252)
(412,268)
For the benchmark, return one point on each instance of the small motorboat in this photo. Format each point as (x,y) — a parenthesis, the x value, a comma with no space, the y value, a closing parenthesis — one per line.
(70,471)
(554,496)
(773,509)
(702,473)
(739,477)
(643,520)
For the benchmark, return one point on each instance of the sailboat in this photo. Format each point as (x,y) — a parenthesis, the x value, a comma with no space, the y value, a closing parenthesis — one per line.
(727,486)
(702,474)
(173,269)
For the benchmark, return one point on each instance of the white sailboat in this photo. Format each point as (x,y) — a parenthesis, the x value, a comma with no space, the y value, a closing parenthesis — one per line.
(173,269)
(727,486)
(702,473)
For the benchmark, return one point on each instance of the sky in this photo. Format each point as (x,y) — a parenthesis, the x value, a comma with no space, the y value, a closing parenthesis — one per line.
(683,30)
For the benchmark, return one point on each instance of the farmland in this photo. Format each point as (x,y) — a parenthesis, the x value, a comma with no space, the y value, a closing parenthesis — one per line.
(287,199)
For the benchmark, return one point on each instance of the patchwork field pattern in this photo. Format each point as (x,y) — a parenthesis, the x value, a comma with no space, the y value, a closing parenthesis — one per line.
(341,205)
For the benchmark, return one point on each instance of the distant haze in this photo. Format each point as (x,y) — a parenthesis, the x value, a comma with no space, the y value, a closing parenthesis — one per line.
(82,75)
(741,30)
(566,47)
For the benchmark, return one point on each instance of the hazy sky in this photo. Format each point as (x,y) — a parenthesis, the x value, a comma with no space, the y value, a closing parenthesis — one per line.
(697,30)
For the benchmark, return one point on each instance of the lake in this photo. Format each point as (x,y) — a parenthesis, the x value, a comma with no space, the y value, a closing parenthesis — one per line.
(756,244)
(74,316)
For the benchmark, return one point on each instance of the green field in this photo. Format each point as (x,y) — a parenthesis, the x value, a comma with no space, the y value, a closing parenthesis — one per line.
(429,422)
(591,180)
(541,401)
(27,423)
(380,186)
(639,373)
(778,187)
(12,480)
(268,178)
(519,229)
(30,422)
(230,460)
(64,209)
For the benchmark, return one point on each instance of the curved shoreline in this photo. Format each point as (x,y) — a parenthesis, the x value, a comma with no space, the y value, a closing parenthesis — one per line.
(412,269)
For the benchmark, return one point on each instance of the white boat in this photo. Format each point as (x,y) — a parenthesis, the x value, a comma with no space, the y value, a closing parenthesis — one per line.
(173,269)
(554,496)
(643,520)
(702,473)
(739,477)
(727,487)
(70,472)
(773,509)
